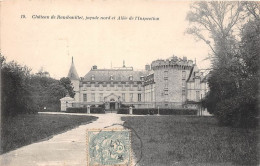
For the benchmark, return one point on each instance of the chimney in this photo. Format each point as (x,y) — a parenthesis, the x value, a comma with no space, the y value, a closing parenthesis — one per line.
(147,67)
(184,58)
(94,67)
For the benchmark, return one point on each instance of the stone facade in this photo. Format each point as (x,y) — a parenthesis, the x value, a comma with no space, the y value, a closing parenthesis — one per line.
(165,83)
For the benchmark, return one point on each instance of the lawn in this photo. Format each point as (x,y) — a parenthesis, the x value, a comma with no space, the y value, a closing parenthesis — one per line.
(25,129)
(191,140)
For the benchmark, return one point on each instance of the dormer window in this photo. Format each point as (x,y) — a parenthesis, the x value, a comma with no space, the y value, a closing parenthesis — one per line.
(111,78)
(92,77)
(142,78)
(131,78)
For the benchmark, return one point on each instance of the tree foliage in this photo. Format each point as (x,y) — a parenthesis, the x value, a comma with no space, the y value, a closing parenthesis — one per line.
(23,92)
(234,29)
(65,81)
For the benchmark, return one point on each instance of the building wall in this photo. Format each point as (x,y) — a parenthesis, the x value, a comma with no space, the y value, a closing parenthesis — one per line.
(90,89)
(176,85)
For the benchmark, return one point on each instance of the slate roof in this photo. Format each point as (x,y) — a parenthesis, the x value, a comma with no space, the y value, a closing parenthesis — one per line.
(118,75)
(73,75)
(67,98)
(191,75)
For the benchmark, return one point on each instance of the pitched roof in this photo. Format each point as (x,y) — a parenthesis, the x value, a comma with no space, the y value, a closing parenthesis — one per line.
(118,75)
(73,75)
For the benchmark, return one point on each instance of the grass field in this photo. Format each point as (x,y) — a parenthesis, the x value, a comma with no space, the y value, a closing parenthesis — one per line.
(190,140)
(26,129)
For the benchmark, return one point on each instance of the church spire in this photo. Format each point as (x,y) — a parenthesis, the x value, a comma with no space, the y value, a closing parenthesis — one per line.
(73,75)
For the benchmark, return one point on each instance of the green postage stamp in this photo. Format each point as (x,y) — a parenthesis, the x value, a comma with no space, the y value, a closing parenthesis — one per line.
(108,147)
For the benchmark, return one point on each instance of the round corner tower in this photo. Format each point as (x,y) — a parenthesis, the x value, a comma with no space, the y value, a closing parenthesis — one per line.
(170,77)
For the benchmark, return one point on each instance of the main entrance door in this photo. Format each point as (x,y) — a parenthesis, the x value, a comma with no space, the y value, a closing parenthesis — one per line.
(112,105)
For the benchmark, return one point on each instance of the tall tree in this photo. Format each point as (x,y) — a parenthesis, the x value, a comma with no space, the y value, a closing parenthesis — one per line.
(65,81)
(231,29)
(216,23)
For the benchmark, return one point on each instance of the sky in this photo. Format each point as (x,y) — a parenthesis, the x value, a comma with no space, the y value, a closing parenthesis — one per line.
(50,43)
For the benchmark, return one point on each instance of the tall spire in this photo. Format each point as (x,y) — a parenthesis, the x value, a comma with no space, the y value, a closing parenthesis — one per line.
(73,75)
(72,59)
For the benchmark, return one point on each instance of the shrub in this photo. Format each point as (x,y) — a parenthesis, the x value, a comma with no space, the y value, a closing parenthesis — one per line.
(123,111)
(152,111)
(96,110)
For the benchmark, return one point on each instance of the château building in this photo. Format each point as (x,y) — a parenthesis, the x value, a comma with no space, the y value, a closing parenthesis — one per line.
(171,83)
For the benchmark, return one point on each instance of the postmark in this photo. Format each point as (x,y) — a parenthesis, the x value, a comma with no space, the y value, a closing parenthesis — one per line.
(109,147)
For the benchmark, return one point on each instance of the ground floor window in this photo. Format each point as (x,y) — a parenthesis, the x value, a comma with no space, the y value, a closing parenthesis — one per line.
(85,97)
(197,95)
(131,97)
(123,97)
(93,97)
(101,97)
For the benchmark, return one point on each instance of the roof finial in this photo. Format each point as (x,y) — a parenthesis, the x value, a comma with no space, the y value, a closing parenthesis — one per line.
(195,61)
(72,59)
(123,63)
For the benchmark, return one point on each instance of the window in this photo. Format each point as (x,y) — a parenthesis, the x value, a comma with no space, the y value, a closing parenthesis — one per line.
(93,97)
(92,77)
(111,78)
(197,83)
(183,83)
(85,97)
(183,92)
(139,87)
(139,97)
(100,87)
(123,97)
(197,95)
(165,73)
(131,86)
(131,97)
(84,87)
(183,74)
(142,78)
(165,84)
(165,92)
(101,97)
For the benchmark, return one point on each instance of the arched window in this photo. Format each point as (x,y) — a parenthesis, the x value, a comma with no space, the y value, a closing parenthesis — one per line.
(111,78)
(92,77)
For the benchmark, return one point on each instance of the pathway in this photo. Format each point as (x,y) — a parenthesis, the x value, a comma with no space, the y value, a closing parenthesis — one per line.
(66,149)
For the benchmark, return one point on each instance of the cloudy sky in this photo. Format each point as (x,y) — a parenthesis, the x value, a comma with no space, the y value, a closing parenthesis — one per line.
(50,43)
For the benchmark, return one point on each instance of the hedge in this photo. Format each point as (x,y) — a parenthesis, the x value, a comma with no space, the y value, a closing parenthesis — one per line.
(96,110)
(163,111)
(123,111)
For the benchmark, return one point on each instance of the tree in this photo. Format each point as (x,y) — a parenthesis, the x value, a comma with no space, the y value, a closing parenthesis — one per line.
(65,81)
(234,77)
(23,92)
(216,23)
(16,94)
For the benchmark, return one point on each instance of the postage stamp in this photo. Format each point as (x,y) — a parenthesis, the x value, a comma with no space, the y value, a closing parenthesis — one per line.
(109,147)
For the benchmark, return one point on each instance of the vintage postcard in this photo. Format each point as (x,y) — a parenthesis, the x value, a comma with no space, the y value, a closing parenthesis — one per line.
(129,82)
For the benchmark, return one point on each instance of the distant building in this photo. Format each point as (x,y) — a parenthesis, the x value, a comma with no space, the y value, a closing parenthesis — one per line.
(170,83)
